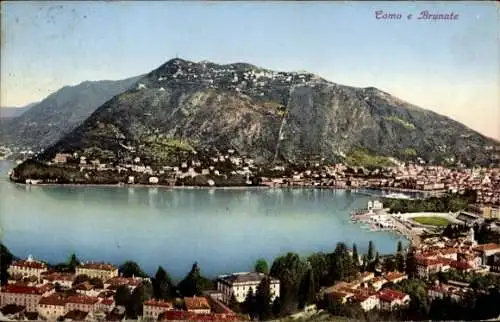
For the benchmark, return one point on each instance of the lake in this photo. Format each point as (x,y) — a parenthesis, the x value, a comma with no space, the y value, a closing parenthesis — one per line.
(224,230)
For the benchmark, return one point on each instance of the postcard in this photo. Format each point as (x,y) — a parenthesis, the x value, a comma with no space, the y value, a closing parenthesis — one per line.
(250,160)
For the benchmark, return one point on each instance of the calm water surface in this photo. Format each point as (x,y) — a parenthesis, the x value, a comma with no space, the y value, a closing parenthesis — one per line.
(224,230)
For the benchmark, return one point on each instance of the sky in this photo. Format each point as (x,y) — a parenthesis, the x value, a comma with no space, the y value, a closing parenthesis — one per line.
(448,66)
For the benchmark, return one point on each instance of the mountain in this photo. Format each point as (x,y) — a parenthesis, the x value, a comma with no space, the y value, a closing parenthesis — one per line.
(10,112)
(58,114)
(269,116)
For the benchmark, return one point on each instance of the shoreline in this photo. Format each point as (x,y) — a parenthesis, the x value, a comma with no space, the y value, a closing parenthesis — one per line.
(360,190)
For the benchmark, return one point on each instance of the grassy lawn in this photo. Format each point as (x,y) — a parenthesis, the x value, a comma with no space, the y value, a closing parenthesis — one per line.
(434,221)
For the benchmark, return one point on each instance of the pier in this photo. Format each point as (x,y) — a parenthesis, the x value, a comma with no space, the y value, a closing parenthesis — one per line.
(380,219)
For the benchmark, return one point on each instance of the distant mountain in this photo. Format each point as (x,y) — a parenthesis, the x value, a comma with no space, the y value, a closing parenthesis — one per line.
(10,112)
(269,116)
(49,120)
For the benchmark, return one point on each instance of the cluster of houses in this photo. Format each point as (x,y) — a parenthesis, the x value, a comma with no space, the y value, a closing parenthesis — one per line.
(37,291)
(33,290)
(441,254)
(411,176)
(367,291)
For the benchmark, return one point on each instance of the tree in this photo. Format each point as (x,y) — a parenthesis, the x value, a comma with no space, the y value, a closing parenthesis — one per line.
(73,262)
(80,279)
(140,294)
(355,256)
(400,258)
(6,259)
(234,305)
(307,290)
(411,263)
(320,265)
(289,269)
(163,287)
(371,251)
(194,283)
(131,268)
(263,299)
(249,303)
(276,307)
(261,266)
(97,282)
(122,295)
(364,263)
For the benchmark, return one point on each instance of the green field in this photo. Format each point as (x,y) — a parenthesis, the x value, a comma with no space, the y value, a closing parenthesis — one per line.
(433,221)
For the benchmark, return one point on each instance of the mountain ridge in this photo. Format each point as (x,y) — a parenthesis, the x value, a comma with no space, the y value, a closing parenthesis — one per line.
(270,116)
(48,120)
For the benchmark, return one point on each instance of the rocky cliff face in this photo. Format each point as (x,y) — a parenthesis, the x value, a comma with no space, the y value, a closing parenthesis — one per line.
(267,115)
(49,120)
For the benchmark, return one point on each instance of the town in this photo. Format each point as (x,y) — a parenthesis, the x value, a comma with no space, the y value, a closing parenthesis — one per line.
(443,271)
(215,169)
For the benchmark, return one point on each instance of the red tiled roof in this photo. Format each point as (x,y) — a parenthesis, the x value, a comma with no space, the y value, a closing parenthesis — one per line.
(29,264)
(99,266)
(59,277)
(116,281)
(486,247)
(360,297)
(445,261)
(54,299)
(107,302)
(196,303)
(428,262)
(76,299)
(22,289)
(460,265)
(153,302)
(389,295)
(391,276)
(448,251)
(76,315)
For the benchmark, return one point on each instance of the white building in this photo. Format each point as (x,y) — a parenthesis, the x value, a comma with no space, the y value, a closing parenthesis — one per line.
(99,270)
(240,283)
(51,307)
(27,296)
(28,267)
(153,308)
(368,302)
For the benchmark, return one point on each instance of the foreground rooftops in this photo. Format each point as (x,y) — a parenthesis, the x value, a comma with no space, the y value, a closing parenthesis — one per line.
(55,276)
(76,299)
(389,295)
(487,247)
(156,303)
(118,280)
(196,303)
(21,289)
(54,299)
